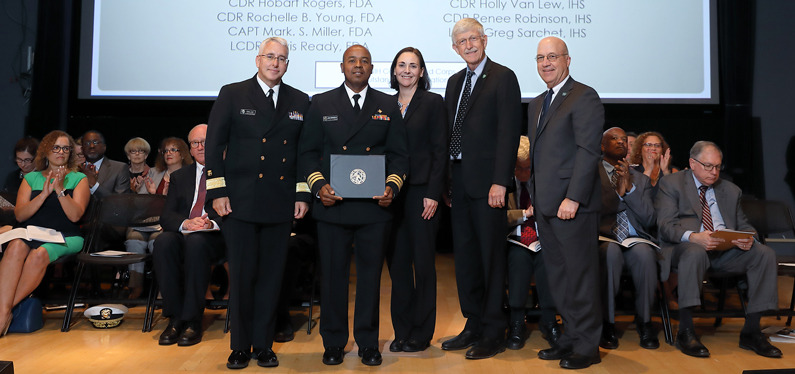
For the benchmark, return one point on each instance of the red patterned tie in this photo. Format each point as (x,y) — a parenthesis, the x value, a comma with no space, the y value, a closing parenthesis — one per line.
(706,215)
(529,234)
(197,208)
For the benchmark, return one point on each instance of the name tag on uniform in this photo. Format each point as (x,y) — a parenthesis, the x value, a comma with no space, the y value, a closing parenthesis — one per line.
(248,112)
(330,118)
(296,116)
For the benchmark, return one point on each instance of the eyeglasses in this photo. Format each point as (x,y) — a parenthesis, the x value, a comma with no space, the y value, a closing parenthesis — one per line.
(89,143)
(170,150)
(24,160)
(652,145)
(552,57)
(79,154)
(709,167)
(197,144)
(519,169)
(472,39)
(137,151)
(57,149)
(271,57)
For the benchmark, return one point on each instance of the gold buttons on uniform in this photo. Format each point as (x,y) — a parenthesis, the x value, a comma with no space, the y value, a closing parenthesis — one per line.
(281,178)
(284,160)
(344,148)
(262,158)
(260,175)
(285,141)
(368,149)
(264,140)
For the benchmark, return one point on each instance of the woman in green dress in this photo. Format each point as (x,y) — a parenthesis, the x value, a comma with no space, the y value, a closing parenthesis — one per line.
(54,196)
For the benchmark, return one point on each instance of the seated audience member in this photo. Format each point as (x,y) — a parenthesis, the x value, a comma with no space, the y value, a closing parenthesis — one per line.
(651,156)
(627,212)
(137,150)
(173,155)
(631,136)
(524,263)
(182,258)
(104,175)
(690,206)
(81,158)
(24,153)
(54,197)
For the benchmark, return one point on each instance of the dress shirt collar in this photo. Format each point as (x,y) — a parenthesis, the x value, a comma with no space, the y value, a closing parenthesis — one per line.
(265,89)
(557,88)
(350,93)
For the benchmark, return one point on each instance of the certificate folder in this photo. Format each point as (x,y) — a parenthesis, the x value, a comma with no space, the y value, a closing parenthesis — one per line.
(358,176)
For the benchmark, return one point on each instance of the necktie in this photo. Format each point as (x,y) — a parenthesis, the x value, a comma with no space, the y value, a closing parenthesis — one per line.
(197,208)
(547,101)
(356,107)
(621,228)
(270,96)
(706,214)
(455,141)
(529,234)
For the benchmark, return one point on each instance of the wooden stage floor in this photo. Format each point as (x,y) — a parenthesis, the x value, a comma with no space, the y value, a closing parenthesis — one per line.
(126,349)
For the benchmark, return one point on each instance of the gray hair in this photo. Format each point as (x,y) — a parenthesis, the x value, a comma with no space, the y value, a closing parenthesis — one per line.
(700,146)
(523,153)
(464,25)
(276,39)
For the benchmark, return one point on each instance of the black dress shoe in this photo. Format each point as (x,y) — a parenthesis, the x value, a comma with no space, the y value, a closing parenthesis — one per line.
(238,360)
(757,342)
(554,353)
(578,361)
(648,337)
(416,345)
(516,335)
(608,340)
(190,336)
(333,356)
(465,339)
(485,348)
(171,334)
(284,333)
(551,332)
(266,358)
(688,343)
(370,356)
(397,345)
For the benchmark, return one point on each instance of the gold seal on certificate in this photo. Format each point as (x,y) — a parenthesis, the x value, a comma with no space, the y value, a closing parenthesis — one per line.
(358,176)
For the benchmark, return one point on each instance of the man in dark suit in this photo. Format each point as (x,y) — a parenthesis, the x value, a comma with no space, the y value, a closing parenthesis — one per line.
(485,111)
(691,205)
(565,126)
(104,175)
(258,192)
(353,119)
(627,212)
(183,256)
(524,263)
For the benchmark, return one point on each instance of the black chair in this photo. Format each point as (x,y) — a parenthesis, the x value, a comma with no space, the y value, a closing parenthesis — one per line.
(127,210)
(770,217)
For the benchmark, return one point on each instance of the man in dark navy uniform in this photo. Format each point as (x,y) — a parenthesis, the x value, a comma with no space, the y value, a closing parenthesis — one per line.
(258,192)
(353,119)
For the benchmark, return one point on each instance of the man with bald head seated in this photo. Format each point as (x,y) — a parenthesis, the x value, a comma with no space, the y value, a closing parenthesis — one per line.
(259,191)
(182,256)
(691,205)
(484,112)
(627,212)
(565,127)
(353,119)
(104,176)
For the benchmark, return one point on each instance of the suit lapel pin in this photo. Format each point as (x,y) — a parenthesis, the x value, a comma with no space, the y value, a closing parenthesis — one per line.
(484,76)
(564,93)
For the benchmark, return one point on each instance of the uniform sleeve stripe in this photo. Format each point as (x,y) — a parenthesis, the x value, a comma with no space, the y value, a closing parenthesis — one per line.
(396,179)
(313,178)
(213,183)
